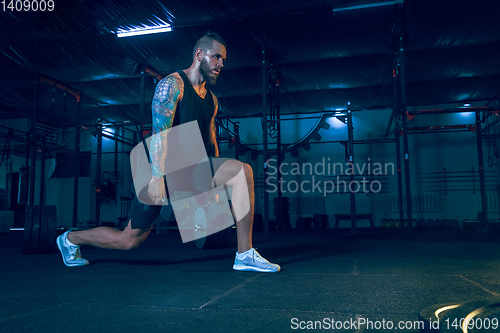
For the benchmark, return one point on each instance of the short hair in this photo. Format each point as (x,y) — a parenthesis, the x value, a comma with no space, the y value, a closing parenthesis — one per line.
(207,40)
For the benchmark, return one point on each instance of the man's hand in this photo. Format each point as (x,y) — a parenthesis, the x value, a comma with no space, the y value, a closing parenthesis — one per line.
(156,190)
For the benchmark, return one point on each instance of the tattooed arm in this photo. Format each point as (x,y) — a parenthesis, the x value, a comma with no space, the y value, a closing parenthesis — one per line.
(213,128)
(168,93)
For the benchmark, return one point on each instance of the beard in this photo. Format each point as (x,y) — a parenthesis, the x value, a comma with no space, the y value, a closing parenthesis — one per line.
(207,73)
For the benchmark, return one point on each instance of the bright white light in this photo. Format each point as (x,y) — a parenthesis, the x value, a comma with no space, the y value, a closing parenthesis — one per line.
(144,30)
(467,105)
(108,130)
(105,76)
(466,114)
(335,123)
(368,5)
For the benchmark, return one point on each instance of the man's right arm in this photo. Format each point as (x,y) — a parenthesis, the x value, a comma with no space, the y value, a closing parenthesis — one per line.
(168,93)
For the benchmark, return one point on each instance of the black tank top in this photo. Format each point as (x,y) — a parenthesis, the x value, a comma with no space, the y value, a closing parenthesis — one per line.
(193,107)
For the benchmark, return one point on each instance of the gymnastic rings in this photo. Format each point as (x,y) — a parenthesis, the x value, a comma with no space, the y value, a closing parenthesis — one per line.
(493,159)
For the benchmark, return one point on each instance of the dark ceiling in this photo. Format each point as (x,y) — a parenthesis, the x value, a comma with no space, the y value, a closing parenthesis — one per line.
(323,58)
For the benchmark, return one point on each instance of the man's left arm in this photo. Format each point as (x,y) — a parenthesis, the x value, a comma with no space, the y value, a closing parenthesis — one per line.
(213,128)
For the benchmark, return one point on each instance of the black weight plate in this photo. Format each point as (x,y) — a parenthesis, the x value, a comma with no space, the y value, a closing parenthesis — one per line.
(215,240)
(35,230)
(431,315)
(222,239)
(225,238)
(201,220)
(28,225)
(52,226)
(166,212)
(205,242)
(486,319)
(44,231)
(489,316)
(200,243)
(229,235)
(211,221)
(481,313)
(199,228)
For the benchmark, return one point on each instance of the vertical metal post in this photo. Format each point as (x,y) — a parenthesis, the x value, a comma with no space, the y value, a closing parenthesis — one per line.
(77,159)
(116,163)
(143,101)
(397,137)
(280,216)
(350,149)
(405,133)
(484,205)
(41,199)
(264,130)
(8,184)
(32,141)
(400,176)
(24,188)
(237,142)
(98,175)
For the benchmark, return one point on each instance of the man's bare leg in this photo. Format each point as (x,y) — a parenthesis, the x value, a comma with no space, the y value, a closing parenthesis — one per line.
(240,177)
(230,173)
(110,238)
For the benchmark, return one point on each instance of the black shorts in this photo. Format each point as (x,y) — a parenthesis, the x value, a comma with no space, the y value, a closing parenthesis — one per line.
(143,216)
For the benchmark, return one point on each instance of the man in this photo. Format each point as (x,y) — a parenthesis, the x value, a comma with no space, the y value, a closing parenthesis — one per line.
(179,98)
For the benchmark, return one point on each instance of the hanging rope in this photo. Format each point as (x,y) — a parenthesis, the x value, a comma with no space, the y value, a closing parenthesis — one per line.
(64,101)
(53,99)
(6,151)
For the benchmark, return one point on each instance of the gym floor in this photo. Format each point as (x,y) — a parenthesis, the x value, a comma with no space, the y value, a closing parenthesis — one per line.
(167,286)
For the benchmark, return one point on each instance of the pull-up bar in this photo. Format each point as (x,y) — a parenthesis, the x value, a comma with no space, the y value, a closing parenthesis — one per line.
(455,110)
(60,86)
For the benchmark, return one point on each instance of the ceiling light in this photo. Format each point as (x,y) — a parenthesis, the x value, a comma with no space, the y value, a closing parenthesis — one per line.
(368,5)
(337,121)
(467,105)
(144,30)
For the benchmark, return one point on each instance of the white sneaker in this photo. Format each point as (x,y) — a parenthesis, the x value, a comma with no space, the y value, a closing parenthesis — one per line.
(253,261)
(70,252)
